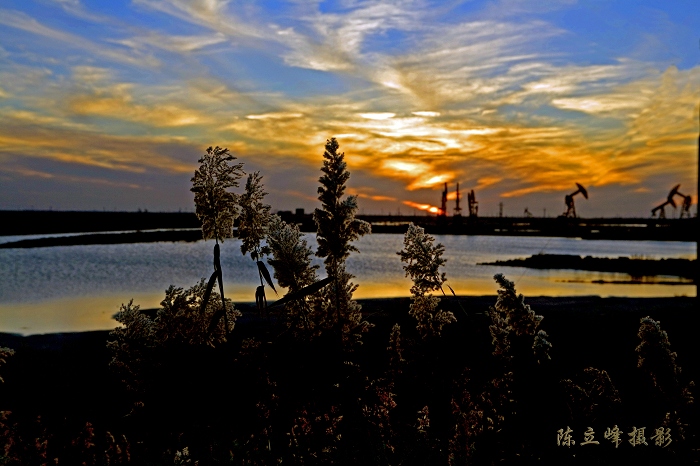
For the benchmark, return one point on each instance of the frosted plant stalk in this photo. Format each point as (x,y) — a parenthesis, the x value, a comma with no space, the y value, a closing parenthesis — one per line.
(337,229)
(423,261)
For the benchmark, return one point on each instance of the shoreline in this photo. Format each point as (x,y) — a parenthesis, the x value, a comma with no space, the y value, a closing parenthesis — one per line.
(612,228)
(88,239)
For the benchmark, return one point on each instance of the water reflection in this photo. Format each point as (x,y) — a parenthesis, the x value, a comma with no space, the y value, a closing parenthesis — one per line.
(80,287)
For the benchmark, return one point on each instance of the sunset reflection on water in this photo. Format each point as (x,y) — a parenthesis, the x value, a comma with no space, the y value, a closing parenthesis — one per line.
(80,288)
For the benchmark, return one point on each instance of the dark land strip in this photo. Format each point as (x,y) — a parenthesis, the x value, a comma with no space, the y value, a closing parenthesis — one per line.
(107,238)
(684,268)
(32,222)
(65,378)
(584,331)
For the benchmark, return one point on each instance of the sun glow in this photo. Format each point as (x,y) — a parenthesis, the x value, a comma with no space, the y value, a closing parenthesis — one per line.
(427,207)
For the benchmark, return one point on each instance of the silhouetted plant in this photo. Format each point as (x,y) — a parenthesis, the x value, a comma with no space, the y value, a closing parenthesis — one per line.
(216,208)
(314,436)
(118,449)
(252,230)
(514,326)
(658,362)
(479,420)
(291,261)
(499,417)
(23,443)
(254,218)
(379,402)
(593,396)
(424,260)
(84,451)
(395,350)
(180,321)
(426,446)
(131,345)
(460,445)
(5,353)
(215,205)
(337,229)
(182,457)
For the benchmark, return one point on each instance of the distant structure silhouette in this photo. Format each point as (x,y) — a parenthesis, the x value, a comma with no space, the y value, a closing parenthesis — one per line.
(458,209)
(661,208)
(569,201)
(443,203)
(685,205)
(473,204)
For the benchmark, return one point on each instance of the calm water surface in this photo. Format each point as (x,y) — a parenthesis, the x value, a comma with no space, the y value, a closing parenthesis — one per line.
(73,288)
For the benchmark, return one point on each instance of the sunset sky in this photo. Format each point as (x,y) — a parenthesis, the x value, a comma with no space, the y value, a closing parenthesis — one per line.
(109,104)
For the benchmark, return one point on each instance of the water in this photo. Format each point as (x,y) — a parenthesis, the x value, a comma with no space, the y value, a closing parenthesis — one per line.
(80,287)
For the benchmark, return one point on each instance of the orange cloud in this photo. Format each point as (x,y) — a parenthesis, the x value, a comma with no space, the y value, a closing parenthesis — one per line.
(427,207)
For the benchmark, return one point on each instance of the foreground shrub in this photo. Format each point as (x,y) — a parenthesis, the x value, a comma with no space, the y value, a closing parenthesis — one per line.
(252,229)
(424,260)
(500,421)
(180,322)
(337,229)
(291,261)
(658,362)
(593,397)
(655,359)
(514,326)
(216,208)
(215,205)
(5,353)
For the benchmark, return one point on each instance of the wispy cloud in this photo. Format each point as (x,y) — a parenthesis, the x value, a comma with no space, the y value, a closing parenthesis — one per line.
(22,21)
(172,43)
(419,93)
(211,14)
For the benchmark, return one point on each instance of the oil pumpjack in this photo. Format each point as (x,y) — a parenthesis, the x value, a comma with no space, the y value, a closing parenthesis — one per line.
(687,202)
(569,201)
(661,208)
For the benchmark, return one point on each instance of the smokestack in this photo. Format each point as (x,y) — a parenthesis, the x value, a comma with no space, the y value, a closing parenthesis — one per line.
(443,206)
(458,209)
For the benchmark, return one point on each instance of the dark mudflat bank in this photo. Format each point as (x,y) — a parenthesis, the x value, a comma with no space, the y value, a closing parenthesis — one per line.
(685,268)
(107,238)
(31,222)
(585,331)
(65,379)
(42,222)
